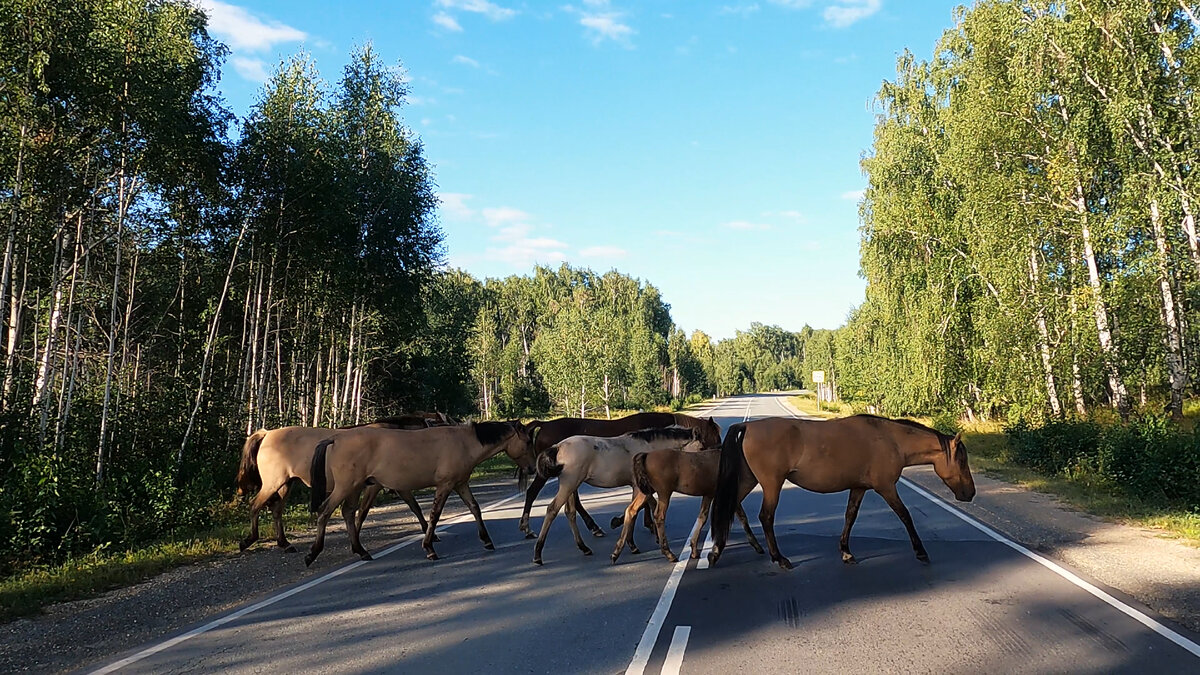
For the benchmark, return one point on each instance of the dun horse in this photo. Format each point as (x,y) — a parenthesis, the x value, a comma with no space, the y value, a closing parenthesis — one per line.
(439,457)
(858,453)
(551,433)
(602,462)
(662,472)
(271,460)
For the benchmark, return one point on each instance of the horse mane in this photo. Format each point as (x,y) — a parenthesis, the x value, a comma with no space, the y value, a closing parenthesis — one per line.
(907,423)
(491,433)
(664,433)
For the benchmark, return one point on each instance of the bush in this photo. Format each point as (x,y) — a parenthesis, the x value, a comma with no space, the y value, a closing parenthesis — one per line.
(1150,458)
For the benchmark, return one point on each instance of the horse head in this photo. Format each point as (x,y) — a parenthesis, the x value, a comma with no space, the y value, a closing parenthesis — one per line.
(952,468)
(519,446)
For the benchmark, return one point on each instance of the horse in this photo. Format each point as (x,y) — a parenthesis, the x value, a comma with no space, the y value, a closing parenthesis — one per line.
(662,472)
(602,462)
(859,453)
(272,459)
(552,432)
(439,457)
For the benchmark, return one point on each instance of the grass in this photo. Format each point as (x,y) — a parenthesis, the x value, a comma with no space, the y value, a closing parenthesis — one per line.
(988,448)
(28,591)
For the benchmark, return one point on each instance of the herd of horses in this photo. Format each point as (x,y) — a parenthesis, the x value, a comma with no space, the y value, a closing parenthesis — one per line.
(656,454)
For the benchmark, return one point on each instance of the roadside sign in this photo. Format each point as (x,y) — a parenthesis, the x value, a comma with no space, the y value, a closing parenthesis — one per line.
(818,376)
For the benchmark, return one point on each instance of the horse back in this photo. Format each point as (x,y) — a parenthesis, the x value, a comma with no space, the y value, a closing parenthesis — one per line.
(287,451)
(556,431)
(822,456)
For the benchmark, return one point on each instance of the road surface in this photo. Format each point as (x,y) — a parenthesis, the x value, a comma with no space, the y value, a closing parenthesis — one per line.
(982,605)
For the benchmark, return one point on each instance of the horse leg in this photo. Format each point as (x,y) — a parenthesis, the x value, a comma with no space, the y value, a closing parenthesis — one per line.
(339,495)
(551,514)
(265,496)
(415,507)
(277,511)
(890,496)
(701,519)
(648,514)
(531,495)
(660,525)
(349,514)
(627,524)
(439,502)
(750,538)
(575,528)
(464,493)
(856,497)
(766,516)
(596,530)
(368,501)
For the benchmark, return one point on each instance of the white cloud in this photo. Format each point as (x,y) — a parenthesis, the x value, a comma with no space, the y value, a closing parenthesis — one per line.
(745,225)
(245,31)
(465,60)
(742,10)
(853,195)
(846,12)
(792,4)
(602,252)
(501,215)
(517,246)
(788,214)
(607,26)
(250,68)
(454,205)
(489,9)
(446,21)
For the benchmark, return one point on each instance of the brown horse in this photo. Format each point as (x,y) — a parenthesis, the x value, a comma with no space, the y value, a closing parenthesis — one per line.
(548,434)
(662,472)
(272,459)
(858,453)
(439,457)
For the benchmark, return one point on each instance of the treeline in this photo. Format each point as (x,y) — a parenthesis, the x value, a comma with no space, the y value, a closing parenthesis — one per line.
(1028,238)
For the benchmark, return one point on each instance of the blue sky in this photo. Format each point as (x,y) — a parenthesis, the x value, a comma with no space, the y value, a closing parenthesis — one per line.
(711,149)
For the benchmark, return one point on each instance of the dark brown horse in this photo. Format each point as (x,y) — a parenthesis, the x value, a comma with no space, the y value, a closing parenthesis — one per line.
(548,434)
(858,453)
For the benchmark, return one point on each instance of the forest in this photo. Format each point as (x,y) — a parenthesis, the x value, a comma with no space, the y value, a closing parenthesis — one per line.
(175,277)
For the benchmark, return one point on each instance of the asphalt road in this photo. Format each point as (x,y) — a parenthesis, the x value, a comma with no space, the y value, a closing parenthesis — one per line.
(981,605)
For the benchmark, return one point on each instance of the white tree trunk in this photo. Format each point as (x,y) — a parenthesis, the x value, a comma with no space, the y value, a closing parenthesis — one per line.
(1120,396)
(1176,371)
(1044,339)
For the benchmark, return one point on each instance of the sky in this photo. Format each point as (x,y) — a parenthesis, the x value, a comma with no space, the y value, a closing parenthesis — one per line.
(710,149)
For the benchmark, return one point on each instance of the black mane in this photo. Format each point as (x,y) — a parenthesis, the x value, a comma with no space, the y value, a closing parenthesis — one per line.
(907,423)
(491,433)
(664,433)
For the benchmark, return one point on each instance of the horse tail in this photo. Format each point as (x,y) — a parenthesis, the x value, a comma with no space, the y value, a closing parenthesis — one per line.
(248,478)
(319,490)
(729,476)
(547,463)
(640,478)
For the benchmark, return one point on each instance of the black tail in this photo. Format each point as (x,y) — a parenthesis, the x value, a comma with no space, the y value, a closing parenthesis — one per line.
(640,477)
(248,478)
(547,463)
(319,491)
(729,477)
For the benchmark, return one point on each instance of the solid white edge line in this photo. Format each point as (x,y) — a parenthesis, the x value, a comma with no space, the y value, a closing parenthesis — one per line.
(674,661)
(217,623)
(1129,611)
(702,563)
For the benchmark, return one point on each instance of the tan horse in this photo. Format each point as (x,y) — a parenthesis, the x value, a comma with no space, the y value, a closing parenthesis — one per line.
(548,434)
(858,453)
(601,462)
(439,457)
(662,472)
(272,459)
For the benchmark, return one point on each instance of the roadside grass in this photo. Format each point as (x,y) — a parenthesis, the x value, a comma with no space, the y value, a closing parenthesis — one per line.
(807,404)
(990,454)
(27,591)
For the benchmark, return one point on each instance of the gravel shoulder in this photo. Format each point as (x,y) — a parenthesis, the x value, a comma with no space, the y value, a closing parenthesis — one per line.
(70,635)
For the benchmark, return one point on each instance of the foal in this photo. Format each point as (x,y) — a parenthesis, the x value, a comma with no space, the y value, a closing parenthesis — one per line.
(602,462)
(662,472)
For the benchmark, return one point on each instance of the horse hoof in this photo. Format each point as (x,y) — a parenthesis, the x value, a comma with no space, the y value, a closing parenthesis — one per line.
(784,563)
(694,555)
(289,549)
(537,561)
(436,539)
(597,532)
(431,555)
(243,545)
(529,535)
(923,557)
(365,555)
(616,522)
(849,559)
(635,550)
(759,550)
(614,558)
(672,558)
(308,560)
(489,546)
(712,559)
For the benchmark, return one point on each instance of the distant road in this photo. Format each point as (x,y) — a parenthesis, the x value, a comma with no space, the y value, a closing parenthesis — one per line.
(980,606)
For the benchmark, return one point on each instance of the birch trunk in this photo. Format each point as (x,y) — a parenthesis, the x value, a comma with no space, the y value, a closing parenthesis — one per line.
(1120,397)
(1044,339)
(1176,371)
(112,328)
